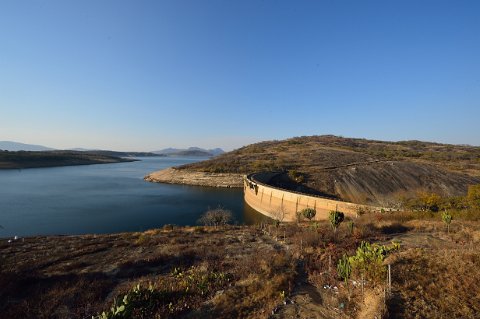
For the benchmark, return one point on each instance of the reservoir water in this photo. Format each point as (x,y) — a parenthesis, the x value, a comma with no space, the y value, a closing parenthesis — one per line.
(106,198)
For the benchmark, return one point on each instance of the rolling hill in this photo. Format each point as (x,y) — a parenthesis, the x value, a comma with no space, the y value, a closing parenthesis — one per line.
(191,151)
(353,169)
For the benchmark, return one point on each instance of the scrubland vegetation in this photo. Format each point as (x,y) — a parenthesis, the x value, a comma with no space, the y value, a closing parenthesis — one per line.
(301,152)
(356,170)
(337,268)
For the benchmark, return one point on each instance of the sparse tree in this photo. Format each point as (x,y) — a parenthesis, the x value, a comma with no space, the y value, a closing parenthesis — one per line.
(216,217)
(447,219)
(278,216)
(309,213)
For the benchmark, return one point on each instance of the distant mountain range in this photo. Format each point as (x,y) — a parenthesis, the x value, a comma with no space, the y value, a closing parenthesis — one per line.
(15,146)
(191,151)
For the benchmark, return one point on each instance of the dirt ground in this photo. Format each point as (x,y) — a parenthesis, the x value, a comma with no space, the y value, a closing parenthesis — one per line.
(434,275)
(269,272)
(79,276)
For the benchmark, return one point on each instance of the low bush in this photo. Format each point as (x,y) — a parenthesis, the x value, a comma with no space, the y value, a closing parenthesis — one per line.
(216,217)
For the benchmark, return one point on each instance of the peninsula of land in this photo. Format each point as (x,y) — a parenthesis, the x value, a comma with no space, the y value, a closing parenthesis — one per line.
(196,178)
(35,159)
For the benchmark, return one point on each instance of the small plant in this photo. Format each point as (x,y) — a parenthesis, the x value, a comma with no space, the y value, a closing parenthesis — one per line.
(447,219)
(299,217)
(359,211)
(344,268)
(147,302)
(134,299)
(142,238)
(296,176)
(309,213)
(276,223)
(336,218)
(350,226)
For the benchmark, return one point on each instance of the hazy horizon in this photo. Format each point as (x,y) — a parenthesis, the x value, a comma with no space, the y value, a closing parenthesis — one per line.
(142,76)
(207,148)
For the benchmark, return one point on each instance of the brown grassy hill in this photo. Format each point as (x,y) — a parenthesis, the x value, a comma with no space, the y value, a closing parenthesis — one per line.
(358,170)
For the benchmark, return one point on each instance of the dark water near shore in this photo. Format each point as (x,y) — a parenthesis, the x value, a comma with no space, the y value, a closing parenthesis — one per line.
(106,198)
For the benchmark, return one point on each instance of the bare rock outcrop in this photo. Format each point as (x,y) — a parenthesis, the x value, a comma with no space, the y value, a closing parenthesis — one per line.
(197,178)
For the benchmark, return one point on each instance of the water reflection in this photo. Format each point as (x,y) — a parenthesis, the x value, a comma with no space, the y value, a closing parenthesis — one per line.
(106,198)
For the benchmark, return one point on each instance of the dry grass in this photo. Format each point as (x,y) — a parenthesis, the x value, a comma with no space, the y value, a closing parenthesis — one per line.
(434,274)
(79,276)
(436,284)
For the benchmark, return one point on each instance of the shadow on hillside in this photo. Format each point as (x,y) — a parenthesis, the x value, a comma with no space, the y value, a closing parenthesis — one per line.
(396,228)
(283,181)
(22,292)
(396,307)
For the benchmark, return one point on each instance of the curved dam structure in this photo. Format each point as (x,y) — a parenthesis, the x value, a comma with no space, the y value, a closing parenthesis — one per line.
(283,205)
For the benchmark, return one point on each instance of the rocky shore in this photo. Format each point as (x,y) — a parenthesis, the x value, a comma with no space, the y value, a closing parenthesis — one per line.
(187,177)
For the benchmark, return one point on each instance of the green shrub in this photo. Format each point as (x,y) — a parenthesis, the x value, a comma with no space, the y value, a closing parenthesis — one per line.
(447,219)
(170,298)
(309,213)
(368,260)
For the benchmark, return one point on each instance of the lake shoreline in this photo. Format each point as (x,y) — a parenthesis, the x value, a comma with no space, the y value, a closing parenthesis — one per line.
(195,178)
(13,167)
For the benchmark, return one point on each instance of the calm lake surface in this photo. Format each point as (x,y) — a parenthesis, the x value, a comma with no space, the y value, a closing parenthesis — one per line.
(106,198)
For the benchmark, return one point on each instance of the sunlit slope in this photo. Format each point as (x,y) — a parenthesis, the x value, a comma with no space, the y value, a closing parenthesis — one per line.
(358,170)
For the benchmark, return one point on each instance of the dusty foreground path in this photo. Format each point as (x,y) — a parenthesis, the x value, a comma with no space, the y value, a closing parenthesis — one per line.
(306,301)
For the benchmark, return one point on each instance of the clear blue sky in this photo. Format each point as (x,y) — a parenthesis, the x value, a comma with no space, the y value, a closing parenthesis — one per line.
(143,75)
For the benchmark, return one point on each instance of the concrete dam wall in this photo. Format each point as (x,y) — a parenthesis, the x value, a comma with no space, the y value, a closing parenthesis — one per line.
(283,204)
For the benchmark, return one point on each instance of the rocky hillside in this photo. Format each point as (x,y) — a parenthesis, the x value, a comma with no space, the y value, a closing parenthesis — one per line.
(358,170)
